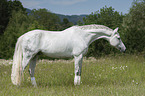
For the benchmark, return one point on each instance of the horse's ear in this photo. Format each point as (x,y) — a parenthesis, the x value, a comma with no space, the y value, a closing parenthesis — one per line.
(115,30)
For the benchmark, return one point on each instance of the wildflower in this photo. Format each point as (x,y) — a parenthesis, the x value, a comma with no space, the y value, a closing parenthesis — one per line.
(137,83)
(123,67)
(99,75)
(10,62)
(112,68)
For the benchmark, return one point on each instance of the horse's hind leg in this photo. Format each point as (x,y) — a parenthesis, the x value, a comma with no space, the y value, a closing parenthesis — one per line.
(32,70)
(27,57)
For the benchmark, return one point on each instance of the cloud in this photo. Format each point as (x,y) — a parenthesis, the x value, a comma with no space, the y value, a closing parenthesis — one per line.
(41,3)
(65,2)
(31,3)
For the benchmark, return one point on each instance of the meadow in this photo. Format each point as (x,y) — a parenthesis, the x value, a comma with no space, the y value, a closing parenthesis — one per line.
(121,75)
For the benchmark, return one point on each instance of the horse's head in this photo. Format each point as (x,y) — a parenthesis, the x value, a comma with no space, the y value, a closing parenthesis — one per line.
(115,41)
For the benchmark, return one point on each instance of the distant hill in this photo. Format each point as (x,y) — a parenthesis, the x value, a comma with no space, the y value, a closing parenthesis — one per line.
(28,10)
(72,18)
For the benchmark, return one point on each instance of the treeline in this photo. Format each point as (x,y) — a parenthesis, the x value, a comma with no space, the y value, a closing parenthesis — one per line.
(15,21)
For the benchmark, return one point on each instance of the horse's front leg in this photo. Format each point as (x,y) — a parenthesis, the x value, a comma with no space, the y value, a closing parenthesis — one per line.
(78,67)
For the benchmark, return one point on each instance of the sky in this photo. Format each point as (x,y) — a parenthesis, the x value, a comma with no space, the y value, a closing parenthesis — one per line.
(77,7)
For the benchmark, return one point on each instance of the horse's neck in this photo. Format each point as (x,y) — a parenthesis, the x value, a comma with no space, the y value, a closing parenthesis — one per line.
(95,34)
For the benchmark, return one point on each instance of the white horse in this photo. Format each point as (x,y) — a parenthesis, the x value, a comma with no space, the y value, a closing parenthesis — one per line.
(72,42)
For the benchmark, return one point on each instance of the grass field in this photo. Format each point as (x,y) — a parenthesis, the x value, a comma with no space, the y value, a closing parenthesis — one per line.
(105,76)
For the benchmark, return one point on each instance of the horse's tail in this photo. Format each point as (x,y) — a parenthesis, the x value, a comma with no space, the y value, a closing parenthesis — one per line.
(17,64)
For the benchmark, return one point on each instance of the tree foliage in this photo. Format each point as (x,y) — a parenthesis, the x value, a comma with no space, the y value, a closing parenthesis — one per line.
(3,15)
(6,8)
(105,16)
(134,27)
(66,23)
(48,20)
(17,26)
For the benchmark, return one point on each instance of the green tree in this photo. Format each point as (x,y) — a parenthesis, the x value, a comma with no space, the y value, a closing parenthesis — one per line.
(105,16)
(15,5)
(65,24)
(4,15)
(6,8)
(79,22)
(18,25)
(45,18)
(134,27)
(108,17)
(65,21)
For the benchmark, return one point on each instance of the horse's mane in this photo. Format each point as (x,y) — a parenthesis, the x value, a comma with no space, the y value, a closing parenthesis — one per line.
(94,26)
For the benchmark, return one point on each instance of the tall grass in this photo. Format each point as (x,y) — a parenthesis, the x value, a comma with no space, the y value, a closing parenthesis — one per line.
(106,76)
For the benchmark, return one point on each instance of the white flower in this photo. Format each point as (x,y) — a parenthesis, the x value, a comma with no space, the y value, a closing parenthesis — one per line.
(123,67)
(112,68)
(99,75)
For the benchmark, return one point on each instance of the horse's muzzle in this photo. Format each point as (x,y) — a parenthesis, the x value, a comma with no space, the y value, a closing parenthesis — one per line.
(123,50)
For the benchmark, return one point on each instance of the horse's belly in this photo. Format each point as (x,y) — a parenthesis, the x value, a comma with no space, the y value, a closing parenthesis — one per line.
(58,54)
(57,49)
